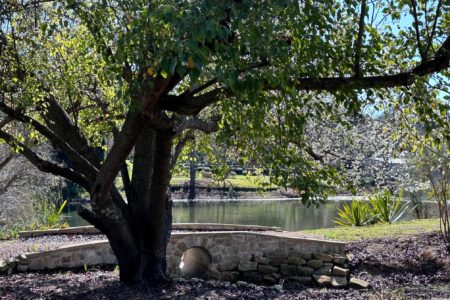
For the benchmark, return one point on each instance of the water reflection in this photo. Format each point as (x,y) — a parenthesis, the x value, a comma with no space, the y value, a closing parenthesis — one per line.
(290,215)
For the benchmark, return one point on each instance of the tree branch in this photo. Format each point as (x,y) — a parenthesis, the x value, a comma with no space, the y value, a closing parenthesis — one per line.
(58,120)
(199,124)
(433,30)
(359,40)
(84,165)
(44,165)
(350,83)
(187,105)
(439,62)
(423,54)
(179,147)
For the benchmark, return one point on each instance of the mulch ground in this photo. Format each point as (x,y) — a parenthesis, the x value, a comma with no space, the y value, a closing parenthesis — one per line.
(413,267)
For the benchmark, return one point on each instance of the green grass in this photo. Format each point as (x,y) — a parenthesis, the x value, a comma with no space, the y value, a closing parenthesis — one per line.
(397,229)
(238,181)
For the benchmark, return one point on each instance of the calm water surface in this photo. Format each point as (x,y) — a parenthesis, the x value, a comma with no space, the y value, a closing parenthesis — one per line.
(290,215)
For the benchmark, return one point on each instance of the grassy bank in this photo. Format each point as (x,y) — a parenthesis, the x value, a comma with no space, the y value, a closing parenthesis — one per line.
(397,229)
(237,181)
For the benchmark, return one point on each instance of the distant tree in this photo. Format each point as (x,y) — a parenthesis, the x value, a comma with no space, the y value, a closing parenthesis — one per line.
(147,72)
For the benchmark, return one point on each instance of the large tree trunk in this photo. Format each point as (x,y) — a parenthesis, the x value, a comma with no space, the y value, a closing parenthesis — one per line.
(139,232)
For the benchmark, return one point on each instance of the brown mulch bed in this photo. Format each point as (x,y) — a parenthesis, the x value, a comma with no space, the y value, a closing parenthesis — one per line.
(412,267)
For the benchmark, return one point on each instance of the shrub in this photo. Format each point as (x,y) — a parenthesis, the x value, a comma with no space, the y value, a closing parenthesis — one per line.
(387,208)
(356,214)
(46,211)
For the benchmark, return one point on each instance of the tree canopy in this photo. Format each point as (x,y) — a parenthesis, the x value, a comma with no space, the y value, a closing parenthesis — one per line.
(144,73)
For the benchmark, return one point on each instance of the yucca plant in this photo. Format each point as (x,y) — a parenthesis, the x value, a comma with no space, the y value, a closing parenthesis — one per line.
(387,208)
(53,218)
(356,214)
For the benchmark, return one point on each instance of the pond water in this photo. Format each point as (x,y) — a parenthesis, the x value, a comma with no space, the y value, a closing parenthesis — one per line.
(290,215)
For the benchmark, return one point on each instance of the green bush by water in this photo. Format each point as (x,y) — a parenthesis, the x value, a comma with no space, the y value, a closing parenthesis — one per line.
(387,208)
(357,213)
(382,207)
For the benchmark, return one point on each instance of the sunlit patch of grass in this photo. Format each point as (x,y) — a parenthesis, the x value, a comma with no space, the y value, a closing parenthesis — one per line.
(236,181)
(384,230)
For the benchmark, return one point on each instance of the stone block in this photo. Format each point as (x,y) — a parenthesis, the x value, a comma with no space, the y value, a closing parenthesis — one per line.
(36,264)
(295,254)
(261,259)
(227,265)
(269,279)
(22,268)
(247,266)
(252,276)
(178,252)
(182,246)
(267,269)
(339,260)
(306,255)
(304,271)
(214,275)
(276,262)
(276,254)
(293,260)
(314,263)
(229,276)
(286,269)
(322,280)
(338,271)
(359,283)
(276,276)
(326,269)
(339,281)
(326,258)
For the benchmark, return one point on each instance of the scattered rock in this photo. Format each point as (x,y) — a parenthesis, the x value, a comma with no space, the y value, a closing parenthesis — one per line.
(326,269)
(241,283)
(359,283)
(3,266)
(349,256)
(338,271)
(314,263)
(339,281)
(322,280)
(278,287)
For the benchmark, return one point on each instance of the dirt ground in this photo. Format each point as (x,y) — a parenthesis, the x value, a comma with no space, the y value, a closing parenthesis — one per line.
(413,267)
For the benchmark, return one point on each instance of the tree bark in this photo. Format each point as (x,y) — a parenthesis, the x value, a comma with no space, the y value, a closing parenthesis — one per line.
(192,175)
(139,233)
